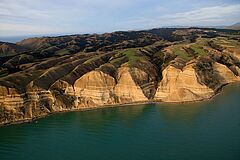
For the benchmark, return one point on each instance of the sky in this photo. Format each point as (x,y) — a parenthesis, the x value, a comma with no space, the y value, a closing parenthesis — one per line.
(41,17)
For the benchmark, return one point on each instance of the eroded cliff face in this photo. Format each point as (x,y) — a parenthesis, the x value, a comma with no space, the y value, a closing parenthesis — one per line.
(17,106)
(93,89)
(130,70)
(185,85)
(126,90)
(181,86)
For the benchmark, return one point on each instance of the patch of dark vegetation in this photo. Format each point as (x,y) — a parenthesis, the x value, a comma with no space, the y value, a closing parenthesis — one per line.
(157,57)
(192,38)
(10,115)
(234,70)
(13,64)
(215,46)
(50,62)
(3,72)
(228,60)
(5,115)
(20,80)
(178,63)
(166,34)
(118,59)
(109,69)
(11,49)
(168,57)
(87,66)
(5,59)
(190,52)
(206,73)
(53,74)
(63,99)
(158,60)
(148,80)
(46,103)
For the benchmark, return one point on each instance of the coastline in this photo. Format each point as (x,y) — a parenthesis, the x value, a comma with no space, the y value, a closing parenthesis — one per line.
(218,92)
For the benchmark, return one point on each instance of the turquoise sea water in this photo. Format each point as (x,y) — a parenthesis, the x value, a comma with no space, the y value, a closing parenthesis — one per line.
(197,131)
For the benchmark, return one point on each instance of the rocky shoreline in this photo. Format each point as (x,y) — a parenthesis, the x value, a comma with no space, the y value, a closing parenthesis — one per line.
(220,91)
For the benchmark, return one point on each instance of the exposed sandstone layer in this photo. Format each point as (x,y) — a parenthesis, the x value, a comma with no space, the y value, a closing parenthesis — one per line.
(227,76)
(181,86)
(92,90)
(184,86)
(127,90)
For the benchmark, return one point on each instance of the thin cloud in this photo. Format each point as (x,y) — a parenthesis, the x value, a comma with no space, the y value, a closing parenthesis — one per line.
(215,15)
(17,9)
(207,14)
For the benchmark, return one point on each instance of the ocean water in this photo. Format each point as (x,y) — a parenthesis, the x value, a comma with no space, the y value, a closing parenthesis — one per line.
(196,131)
(13,39)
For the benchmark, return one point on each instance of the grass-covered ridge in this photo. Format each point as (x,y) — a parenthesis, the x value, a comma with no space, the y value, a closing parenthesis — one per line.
(204,46)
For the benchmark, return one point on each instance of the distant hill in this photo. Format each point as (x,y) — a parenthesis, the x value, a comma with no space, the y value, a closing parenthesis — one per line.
(235,26)
(9,49)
